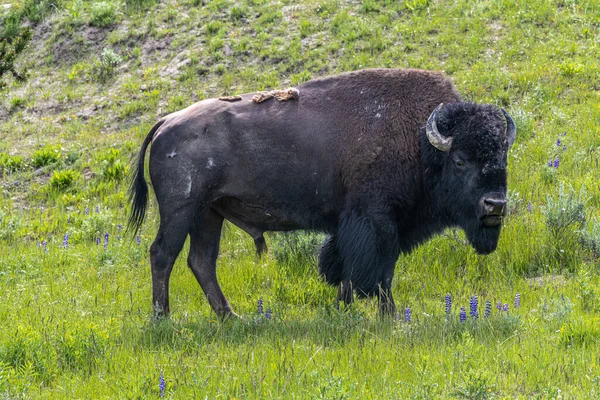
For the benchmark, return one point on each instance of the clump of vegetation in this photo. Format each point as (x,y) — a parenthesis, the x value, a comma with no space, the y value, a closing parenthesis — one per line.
(104,67)
(565,212)
(63,180)
(590,237)
(103,13)
(10,48)
(113,168)
(10,164)
(44,157)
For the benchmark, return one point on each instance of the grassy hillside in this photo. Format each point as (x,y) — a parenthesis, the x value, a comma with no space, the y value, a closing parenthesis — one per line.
(76,309)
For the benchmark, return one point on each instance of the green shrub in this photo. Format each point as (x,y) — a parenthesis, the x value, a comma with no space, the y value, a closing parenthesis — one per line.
(63,180)
(104,67)
(565,212)
(44,157)
(138,5)
(10,164)
(103,14)
(590,237)
(296,248)
(10,48)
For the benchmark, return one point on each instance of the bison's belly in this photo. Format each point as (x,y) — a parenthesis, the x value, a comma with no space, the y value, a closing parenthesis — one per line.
(263,215)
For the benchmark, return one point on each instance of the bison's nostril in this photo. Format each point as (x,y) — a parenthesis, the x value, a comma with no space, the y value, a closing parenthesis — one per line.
(495,206)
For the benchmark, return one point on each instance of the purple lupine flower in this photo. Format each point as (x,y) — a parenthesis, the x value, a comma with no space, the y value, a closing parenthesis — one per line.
(259,309)
(558,142)
(87,210)
(161,384)
(562,297)
(565,147)
(98,240)
(550,163)
(517,300)
(529,207)
(138,240)
(407,314)
(119,227)
(44,245)
(268,313)
(505,308)
(488,309)
(106,241)
(66,240)
(499,306)
(556,162)
(118,237)
(448,304)
(69,220)
(463,314)
(97,209)
(565,133)
(474,303)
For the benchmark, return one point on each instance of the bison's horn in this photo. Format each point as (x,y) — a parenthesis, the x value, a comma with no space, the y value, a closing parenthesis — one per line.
(511,129)
(436,139)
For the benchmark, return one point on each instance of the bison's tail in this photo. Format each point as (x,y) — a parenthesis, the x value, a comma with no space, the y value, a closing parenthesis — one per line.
(138,190)
(331,266)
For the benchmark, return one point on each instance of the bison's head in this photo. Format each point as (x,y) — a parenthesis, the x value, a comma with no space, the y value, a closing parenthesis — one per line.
(466,152)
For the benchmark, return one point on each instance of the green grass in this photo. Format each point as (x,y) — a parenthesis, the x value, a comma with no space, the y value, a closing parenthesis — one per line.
(78,319)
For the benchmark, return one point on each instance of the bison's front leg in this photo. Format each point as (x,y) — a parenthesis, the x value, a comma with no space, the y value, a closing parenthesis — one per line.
(387,307)
(367,244)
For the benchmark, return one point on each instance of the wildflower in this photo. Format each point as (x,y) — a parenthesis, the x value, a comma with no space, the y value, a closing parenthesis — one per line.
(558,142)
(138,240)
(259,309)
(98,240)
(106,241)
(87,210)
(69,220)
(505,308)
(161,384)
(529,207)
(565,133)
(565,147)
(474,305)
(407,314)
(66,240)
(488,309)
(550,163)
(44,245)
(118,237)
(268,313)
(97,209)
(119,227)
(499,306)
(448,304)
(556,162)
(463,314)
(517,300)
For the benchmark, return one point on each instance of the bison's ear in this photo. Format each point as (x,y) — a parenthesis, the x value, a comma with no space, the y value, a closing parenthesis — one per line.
(436,139)
(511,129)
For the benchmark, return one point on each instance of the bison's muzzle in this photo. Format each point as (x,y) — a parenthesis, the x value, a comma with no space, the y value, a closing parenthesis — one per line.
(492,208)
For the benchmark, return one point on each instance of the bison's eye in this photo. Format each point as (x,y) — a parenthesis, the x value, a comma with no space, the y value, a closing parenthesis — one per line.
(459,163)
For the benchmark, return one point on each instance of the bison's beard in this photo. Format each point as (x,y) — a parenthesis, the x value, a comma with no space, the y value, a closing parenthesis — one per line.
(484,239)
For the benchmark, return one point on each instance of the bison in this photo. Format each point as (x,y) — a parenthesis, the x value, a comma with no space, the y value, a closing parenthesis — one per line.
(379,160)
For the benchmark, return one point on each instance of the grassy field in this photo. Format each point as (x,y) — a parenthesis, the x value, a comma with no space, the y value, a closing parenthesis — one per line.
(76,301)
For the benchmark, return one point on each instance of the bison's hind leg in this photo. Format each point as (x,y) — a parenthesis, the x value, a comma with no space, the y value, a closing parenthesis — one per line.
(261,245)
(164,250)
(205,235)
